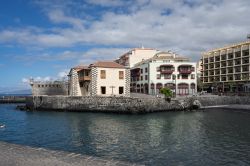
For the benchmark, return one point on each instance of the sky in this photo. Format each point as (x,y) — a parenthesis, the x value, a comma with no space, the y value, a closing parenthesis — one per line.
(43,39)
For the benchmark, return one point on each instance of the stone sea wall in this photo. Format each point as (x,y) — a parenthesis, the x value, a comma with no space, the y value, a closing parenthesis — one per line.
(223,100)
(127,104)
(105,104)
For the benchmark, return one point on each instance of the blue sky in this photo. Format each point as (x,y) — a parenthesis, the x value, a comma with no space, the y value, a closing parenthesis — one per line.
(44,39)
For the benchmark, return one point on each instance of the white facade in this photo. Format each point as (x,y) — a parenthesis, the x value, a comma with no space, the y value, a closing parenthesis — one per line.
(114,83)
(136,55)
(99,79)
(150,76)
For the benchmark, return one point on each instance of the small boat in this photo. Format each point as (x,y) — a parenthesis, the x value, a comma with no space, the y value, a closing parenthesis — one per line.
(2,126)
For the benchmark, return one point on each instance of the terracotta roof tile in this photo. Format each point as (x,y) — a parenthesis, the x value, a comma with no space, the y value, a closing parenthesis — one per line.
(107,64)
(80,67)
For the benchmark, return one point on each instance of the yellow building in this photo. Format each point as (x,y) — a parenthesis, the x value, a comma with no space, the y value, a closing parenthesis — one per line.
(226,68)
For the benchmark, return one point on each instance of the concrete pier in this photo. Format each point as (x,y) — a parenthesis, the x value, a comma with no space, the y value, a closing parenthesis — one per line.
(18,155)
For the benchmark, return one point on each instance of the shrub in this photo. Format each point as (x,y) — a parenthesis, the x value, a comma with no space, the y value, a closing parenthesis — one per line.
(167,92)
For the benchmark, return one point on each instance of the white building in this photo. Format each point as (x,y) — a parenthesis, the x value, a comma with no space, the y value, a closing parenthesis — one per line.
(165,69)
(100,79)
(136,55)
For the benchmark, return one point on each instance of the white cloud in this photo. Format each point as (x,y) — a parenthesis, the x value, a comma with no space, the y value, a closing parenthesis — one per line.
(25,80)
(57,16)
(107,2)
(61,56)
(63,74)
(189,27)
(100,54)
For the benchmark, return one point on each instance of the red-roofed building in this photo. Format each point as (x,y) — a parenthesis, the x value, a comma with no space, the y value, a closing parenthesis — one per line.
(103,78)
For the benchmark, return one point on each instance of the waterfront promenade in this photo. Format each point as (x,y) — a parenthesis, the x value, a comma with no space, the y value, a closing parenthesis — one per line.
(18,155)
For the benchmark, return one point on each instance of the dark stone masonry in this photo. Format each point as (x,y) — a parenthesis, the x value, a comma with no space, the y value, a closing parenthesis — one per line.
(107,104)
(128,104)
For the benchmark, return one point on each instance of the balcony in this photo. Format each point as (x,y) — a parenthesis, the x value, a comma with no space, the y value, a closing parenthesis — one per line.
(84,78)
(169,71)
(185,71)
(166,69)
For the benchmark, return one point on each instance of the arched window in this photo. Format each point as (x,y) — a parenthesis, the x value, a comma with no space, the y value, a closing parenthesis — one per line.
(158,85)
(183,89)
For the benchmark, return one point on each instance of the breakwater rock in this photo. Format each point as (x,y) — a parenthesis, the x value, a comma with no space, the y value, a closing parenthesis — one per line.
(107,104)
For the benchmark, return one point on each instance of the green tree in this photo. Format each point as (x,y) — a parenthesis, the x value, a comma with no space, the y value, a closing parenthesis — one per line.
(167,93)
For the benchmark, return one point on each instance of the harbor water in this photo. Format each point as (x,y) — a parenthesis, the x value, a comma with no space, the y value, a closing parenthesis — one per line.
(210,137)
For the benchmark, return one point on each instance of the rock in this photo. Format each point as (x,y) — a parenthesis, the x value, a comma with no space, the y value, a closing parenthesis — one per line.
(196,104)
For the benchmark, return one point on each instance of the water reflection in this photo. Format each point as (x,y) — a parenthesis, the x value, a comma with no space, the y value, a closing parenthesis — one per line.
(173,138)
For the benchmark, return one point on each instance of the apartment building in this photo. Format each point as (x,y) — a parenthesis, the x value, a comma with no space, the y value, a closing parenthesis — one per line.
(136,55)
(164,69)
(226,68)
(102,78)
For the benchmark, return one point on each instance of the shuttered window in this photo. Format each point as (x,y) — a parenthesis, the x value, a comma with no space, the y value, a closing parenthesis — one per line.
(121,75)
(103,74)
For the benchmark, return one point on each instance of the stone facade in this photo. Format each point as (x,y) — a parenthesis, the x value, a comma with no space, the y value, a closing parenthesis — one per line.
(93,83)
(49,88)
(74,83)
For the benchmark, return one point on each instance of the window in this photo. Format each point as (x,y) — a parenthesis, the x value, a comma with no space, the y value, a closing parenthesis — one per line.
(121,75)
(184,76)
(192,76)
(146,77)
(103,89)
(167,76)
(38,86)
(146,70)
(158,69)
(103,74)
(141,78)
(158,76)
(87,73)
(121,90)
(141,70)
(81,84)
(178,76)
